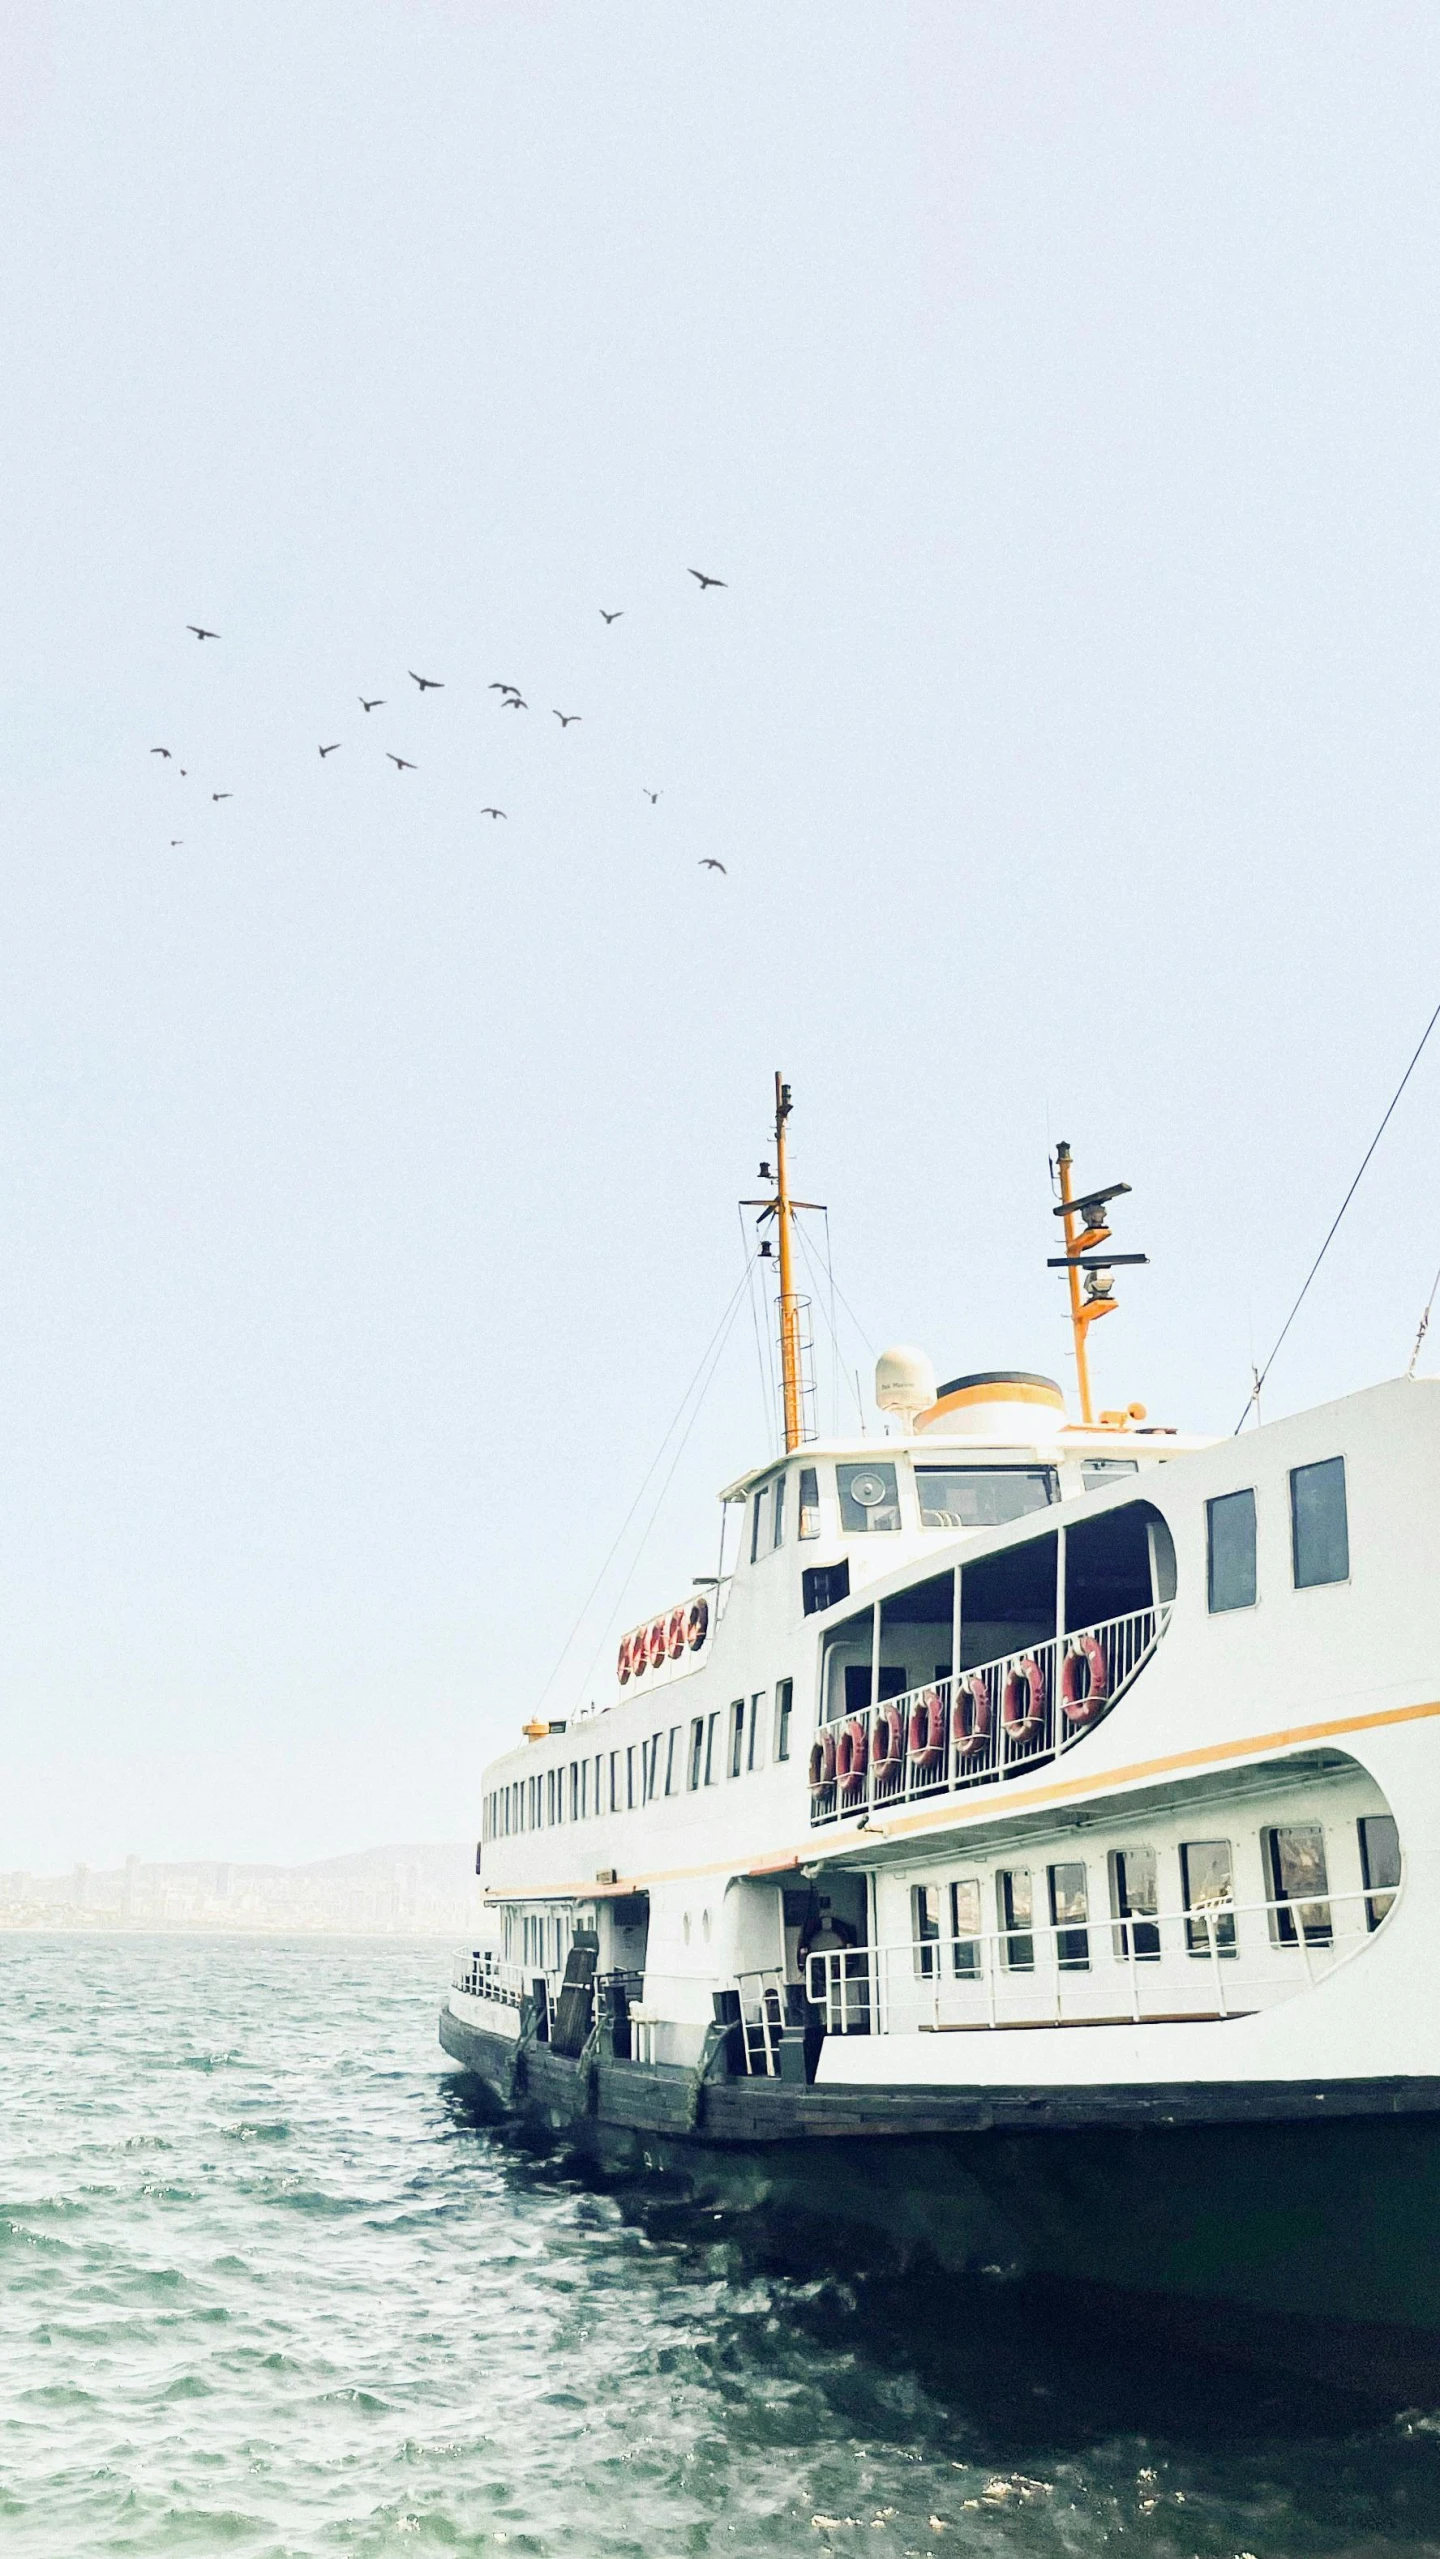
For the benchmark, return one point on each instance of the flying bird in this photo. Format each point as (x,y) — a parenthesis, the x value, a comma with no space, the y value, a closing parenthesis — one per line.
(513,702)
(503,688)
(651,796)
(492,812)
(377,705)
(427,683)
(222,795)
(161,750)
(329,750)
(174,840)
(201,634)
(704,581)
(567,718)
(708,862)
(399,763)
(611,617)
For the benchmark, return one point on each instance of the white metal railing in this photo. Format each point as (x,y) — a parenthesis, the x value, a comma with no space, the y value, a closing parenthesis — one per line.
(1003,1716)
(1223,1960)
(762,2019)
(483,1975)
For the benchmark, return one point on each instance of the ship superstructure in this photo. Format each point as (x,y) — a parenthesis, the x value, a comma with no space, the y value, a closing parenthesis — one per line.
(1019,1773)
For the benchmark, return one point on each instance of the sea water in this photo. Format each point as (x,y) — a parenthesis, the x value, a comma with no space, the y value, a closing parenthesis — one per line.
(266,2287)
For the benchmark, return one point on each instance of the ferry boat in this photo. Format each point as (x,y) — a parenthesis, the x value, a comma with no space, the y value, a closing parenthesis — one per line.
(1025,1850)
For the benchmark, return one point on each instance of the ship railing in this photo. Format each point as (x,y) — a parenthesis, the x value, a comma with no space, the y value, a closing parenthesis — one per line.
(1012,1716)
(762,2019)
(1210,1962)
(482,1975)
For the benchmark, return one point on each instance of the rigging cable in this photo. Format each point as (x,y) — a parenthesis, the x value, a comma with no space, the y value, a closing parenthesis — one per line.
(767,1387)
(1424,1325)
(1254,1396)
(728,1321)
(722,1327)
(829,1317)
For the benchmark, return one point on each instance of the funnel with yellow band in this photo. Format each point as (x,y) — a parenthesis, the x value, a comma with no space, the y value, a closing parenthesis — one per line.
(996,1404)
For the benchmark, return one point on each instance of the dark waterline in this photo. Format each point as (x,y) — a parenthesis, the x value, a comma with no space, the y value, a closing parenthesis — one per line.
(266,2288)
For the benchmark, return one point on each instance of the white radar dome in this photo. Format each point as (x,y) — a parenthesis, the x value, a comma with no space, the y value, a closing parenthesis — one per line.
(904,1382)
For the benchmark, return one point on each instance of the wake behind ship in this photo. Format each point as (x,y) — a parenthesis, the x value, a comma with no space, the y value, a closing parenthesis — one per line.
(1026,1850)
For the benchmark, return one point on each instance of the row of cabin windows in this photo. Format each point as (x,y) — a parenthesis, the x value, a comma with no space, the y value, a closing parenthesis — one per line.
(868,1496)
(1295,1870)
(1319,1536)
(619,1781)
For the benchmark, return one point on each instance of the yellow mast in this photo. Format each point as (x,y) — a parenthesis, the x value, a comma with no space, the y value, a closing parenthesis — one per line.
(1079,1318)
(1087,1226)
(789,1308)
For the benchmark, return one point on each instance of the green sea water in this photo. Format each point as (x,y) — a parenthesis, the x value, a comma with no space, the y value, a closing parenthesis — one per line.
(265,2288)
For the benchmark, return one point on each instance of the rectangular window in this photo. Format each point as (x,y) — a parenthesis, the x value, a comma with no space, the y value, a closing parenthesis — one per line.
(1134,1899)
(614,1781)
(784,1699)
(809,1503)
(652,1765)
(756,1508)
(672,1760)
(965,1928)
(1230,1562)
(925,1929)
(737,1736)
(574,1790)
(982,1496)
(697,1751)
(824,1585)
(868,1499)
(1207,1880)
(584,1790)
(756,1755)
(1379,1864)
(712,1727)
(630,1778)
(595,1799)
(1069,1911)
(778,1536)
(1097,1472)
(1015,1903)
(1319,1529)
(1295,1861)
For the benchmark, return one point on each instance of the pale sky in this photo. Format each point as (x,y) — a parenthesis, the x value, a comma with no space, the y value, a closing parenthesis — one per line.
(1056,389)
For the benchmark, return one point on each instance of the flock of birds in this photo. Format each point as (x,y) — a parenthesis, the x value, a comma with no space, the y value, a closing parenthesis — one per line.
(511,699)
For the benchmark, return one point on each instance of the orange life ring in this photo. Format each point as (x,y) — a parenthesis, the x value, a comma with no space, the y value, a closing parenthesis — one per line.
(1022,1708)
(852,1750)
(656,1644)
(622,1660)
(697,1623)
(1082,1705)
(970,1721)
(926,1740)
(822,1763)
(675,1634)
(639,1658)
(887,1742)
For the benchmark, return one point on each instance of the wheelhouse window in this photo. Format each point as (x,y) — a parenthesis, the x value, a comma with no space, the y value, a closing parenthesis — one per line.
(1230,1551)
(755,1753)
(925,1929)
(697,1750)
(1015,1902)
(1069,1911)
(673,1761)
(767,1519)
(869,1500)
(1319,1528)
(1379,1864)
(965,1927)
(712,1756)
(809,1503)
(1299,1884)
(1135,1901)
(982,1496)
(784,1703)
(1208,1884)
(1097,1472)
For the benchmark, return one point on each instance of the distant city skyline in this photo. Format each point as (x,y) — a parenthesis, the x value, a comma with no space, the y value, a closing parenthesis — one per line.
(411,1891)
